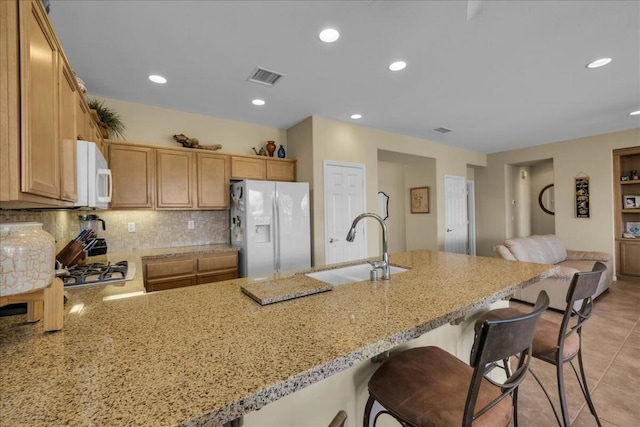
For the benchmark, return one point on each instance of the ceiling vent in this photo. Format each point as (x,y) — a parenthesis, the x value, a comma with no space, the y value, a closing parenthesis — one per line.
(265,77)
(442,130)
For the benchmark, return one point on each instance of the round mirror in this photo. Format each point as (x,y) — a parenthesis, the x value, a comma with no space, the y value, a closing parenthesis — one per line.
(546,200)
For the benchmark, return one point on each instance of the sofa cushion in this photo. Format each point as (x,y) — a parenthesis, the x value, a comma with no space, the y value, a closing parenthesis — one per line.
(527,249)
(591,256)
(504,253)
(554,246)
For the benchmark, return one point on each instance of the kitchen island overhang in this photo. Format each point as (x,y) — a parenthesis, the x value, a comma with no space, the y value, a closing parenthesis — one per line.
(208,354)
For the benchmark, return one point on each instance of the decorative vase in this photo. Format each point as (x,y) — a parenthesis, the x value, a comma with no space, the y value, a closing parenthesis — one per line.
(27,256)
(271,147)
(281,152)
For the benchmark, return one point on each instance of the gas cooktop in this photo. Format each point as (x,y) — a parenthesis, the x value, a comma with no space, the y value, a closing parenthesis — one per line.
(96,273)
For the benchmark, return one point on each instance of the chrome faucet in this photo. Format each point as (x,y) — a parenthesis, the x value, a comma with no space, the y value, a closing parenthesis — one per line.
(384,264)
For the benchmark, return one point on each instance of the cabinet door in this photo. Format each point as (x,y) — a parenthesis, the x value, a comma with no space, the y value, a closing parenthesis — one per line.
(174,179)
(68,176)
(630,258)
(213,181)
(132,170)
(247,168)
(82,112)
(280,170)
(39,98)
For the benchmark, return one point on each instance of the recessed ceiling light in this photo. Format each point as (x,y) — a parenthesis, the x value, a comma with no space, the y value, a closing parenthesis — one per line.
(398,66)
(157,79)
(329,35)
(599,63)
(258,102)
(634,113)
(356,116)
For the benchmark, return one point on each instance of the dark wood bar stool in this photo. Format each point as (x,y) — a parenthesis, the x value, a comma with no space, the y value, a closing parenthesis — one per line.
(426,386)
(558,344)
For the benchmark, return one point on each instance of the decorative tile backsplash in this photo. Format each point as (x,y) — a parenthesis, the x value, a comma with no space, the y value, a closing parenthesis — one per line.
(154,229)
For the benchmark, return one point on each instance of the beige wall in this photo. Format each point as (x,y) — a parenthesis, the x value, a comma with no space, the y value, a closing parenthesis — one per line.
(146,123)
(345,142)
(590,155)
(391,182)
(541,176)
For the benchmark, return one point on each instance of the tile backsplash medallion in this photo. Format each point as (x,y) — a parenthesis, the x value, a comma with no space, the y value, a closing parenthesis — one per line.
(154,229)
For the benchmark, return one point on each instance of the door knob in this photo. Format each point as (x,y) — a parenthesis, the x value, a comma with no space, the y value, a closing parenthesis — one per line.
(331,240)
(449,230)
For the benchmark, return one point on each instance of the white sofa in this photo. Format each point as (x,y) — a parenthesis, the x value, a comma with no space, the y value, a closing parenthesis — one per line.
(548,249)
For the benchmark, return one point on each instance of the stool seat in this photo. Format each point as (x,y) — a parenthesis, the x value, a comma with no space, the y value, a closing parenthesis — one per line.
(428,387)
(545,341)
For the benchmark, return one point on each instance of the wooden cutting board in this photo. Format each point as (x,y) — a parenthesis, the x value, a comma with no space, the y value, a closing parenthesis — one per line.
(265,293)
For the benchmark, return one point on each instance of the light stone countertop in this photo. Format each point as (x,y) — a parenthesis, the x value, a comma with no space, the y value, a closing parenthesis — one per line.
(206,354)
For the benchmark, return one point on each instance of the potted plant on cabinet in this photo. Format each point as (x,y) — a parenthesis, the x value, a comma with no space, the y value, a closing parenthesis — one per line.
(108,119)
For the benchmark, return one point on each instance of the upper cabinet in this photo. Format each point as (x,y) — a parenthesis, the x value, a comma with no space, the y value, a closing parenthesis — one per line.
(260,168)
(39,104)
(174,179)
(168,178)
(133,174)
(68,100)
(213,181)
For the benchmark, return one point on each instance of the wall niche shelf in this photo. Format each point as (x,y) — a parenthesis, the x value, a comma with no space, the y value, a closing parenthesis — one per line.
(627,249)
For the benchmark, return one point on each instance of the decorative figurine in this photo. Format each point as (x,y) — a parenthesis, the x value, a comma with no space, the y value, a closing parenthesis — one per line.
(194,143)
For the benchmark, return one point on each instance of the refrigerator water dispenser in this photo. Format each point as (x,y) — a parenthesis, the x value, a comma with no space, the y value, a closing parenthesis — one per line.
(263,229)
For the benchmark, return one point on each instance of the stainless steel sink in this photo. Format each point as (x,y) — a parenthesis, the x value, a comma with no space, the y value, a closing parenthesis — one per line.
(350,274)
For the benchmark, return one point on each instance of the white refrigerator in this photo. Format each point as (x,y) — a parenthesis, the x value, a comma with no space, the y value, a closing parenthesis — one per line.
(271,227)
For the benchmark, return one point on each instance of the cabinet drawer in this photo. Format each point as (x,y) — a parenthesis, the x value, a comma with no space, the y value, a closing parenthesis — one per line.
(174,282)
(217,277)
(217,262)
(169,268)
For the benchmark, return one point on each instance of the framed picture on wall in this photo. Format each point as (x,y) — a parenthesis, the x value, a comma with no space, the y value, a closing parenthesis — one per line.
(419,199)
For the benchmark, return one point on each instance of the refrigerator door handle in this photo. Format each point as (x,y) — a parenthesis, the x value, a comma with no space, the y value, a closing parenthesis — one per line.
(276,240)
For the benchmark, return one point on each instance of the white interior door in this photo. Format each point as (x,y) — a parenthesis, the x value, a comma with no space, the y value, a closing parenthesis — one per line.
(343,200)
(456,237)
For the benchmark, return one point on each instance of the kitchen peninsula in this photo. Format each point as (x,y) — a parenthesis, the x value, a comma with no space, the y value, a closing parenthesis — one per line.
(207,354)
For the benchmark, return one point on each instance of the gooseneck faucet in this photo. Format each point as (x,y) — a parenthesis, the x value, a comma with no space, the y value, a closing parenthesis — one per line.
(351,236)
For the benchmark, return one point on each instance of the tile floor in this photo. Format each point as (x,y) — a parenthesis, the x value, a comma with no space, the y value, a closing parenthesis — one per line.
(611,352)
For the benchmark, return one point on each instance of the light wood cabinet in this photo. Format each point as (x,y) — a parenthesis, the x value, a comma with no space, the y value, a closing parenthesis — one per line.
(281,170)
(39,107)
(68,144)
(174,179)
(627,211)
(133,174)
(181,179)
(40,111)
(261,168)
(82,118)
(248,168)
(213,181)
(187,270)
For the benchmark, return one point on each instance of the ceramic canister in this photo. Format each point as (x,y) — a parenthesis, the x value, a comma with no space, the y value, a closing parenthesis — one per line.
(27,257)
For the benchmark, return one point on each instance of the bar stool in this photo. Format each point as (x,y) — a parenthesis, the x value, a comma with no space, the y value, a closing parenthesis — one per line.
(558,344)
(426,386)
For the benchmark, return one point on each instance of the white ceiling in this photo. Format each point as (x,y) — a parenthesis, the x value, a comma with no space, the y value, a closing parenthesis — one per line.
(512,76)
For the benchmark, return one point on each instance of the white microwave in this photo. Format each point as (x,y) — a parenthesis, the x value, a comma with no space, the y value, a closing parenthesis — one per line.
(94,177)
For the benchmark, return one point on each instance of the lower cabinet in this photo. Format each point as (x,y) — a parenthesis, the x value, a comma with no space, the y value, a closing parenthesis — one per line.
(629,258)
(187,270)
